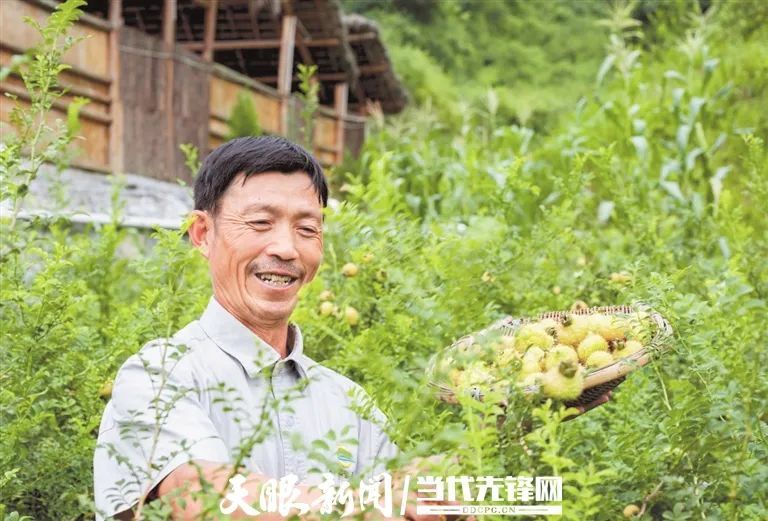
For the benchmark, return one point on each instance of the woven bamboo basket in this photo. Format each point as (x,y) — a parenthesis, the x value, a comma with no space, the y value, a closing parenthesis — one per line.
(597,382)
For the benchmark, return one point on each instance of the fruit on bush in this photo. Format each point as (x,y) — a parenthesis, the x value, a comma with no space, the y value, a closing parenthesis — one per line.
(533,335)
(591,343)
(326,295)
(105,391)
(621,277)
(599,359)
(579,305)
(367,257)
(487,277)
(349,269)
(563,382)
(327,308)
(351,315)
(559,353)
(572,330)
(631,510)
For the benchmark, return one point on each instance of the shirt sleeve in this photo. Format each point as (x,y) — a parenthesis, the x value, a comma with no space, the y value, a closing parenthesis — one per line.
(154,423)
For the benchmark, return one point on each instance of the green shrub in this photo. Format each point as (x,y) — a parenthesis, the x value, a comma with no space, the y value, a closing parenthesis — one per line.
(243,119)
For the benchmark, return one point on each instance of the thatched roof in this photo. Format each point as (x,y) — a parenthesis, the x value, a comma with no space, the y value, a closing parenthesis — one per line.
(321,40)
(377,77)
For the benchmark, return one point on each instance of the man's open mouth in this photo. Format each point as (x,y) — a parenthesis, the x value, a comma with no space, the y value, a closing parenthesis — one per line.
(276,280)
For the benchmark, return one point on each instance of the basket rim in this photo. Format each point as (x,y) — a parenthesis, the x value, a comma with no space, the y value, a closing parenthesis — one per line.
(617,369)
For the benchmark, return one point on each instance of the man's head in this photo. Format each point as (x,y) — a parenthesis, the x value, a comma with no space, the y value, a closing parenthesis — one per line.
(258,209)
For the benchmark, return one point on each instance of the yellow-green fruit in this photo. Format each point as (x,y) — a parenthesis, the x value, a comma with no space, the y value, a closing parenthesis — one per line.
(564,382)
(572,330)
(106,390)
(614,329)
(367,257)
(351,316)
(530,366)
(549,325)
(530,379)
(628,348)
(532,360)
(607,326)
(631,511)
(326,295)
(533,335)
(506,356)
(475,374)
(621,277)
(349,269)
(559,353)
(326,308)
(599,359)
(593,342)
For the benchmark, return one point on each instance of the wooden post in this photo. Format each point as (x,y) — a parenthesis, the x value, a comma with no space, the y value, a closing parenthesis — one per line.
(116,157)
(340,97)
(209,36)
(169,45)
(285,68)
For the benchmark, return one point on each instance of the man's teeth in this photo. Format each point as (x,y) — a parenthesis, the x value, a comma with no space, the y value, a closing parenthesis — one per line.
(274,279)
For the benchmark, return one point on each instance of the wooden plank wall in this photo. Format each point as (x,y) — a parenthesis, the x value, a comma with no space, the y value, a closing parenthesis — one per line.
(142,73)
(203,97)
(88,77)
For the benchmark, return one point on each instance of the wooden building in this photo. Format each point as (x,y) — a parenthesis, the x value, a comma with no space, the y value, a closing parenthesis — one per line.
(165,72)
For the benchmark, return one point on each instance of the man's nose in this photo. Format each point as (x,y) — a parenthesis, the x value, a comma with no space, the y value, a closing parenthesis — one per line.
(282,245)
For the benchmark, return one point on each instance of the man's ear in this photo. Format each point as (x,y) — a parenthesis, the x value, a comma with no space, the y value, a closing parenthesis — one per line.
(200,231)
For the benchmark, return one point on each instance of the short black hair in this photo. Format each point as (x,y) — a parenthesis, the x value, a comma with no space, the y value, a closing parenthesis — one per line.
(253,155)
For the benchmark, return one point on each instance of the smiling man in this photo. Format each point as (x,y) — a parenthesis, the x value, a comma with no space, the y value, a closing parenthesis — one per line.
(234,389)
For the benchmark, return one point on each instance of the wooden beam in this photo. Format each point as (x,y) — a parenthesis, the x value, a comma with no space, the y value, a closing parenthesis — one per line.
(340,100)
(209,30)
(169,43)
(301,37)
(361,37)
(116,148)
(326,76)
(375,68)
(231,45)
(285,68)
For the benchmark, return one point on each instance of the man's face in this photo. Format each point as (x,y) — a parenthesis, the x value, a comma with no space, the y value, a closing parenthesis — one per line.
(265,244)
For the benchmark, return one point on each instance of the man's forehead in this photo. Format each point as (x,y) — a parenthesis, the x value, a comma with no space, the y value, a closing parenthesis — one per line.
(262,191)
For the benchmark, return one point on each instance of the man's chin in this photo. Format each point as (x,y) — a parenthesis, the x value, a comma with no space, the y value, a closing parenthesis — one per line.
(272,311)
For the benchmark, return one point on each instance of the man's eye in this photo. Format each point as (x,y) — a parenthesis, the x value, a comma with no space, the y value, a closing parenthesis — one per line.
(308,230)
(259,223)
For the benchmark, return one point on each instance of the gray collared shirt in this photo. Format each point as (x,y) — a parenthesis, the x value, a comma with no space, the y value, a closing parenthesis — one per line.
(215,391)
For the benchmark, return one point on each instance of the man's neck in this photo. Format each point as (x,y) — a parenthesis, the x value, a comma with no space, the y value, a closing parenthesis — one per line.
(278,335)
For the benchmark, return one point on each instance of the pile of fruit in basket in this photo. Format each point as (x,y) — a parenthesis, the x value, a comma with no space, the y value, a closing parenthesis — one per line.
(552,355)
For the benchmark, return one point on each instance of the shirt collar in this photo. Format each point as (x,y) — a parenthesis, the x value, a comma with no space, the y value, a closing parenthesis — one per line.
(254,354)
